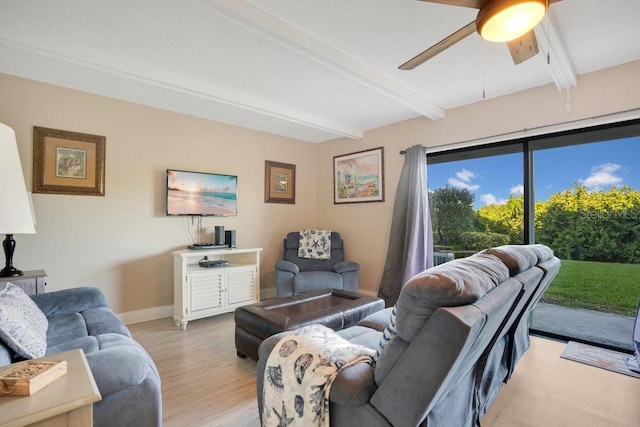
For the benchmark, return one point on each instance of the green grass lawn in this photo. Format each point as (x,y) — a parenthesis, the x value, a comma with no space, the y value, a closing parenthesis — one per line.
(602,286)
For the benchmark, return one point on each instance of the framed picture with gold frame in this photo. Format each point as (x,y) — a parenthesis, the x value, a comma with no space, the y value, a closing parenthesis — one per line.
(67,162)
(279,182)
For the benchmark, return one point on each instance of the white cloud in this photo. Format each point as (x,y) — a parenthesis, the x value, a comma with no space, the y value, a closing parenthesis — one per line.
(463,180)
(458,183)
(465,175)
(490,199)
(517,189)
(602,176)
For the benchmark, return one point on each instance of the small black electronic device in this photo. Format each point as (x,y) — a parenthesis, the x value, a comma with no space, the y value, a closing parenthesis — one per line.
(210,263)
(219,235)
(202,246)
(230,238)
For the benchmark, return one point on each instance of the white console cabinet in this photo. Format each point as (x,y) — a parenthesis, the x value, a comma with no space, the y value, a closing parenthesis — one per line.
(201,292)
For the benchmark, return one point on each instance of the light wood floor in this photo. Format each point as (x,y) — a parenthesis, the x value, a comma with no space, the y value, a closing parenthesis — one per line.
(204,383)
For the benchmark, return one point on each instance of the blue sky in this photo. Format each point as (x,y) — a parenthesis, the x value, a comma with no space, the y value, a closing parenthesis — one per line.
(597,166)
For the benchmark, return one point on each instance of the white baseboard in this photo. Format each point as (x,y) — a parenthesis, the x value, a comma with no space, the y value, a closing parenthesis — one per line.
(146,314)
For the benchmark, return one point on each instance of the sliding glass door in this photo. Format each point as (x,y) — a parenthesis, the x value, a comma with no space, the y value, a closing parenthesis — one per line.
(577,192)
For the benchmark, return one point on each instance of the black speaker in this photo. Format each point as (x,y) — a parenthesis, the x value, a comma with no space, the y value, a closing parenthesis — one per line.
(219,235)
(230,238)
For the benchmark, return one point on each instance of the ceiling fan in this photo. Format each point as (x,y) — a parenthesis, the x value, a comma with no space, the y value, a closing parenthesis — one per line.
(510,21)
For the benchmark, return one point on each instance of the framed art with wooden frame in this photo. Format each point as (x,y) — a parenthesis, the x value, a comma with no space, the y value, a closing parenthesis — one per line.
(279,182)
(359,177)
(68,162)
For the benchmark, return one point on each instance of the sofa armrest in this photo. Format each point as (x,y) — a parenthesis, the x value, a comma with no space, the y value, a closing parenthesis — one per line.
(287,266)
(5,355)
(346,266)
(68,301)
(354,386)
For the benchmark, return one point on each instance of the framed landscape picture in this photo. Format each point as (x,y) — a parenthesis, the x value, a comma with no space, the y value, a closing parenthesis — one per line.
(359,177)
(68,162)
(279,182)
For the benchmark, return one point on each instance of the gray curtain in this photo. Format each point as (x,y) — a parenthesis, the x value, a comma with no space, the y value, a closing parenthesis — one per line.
(410,249)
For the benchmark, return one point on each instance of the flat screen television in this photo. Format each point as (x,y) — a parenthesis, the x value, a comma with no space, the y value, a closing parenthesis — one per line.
(201,193)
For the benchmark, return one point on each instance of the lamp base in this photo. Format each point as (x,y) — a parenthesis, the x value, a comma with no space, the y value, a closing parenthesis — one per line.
(11,272)
(9,246)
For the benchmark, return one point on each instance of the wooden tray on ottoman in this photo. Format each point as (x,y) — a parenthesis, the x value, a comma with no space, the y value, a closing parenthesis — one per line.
(30,376)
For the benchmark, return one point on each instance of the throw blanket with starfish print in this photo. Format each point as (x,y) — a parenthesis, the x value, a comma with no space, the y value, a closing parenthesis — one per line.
(299,373)
(315,244)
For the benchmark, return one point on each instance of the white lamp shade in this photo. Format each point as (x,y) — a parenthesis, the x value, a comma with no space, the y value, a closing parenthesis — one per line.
(16,216)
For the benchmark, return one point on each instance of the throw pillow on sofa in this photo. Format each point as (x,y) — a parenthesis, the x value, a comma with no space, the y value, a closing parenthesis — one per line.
(23,326)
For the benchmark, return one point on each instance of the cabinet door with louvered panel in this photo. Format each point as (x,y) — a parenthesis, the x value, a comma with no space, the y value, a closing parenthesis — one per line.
(206,291)
(242,286)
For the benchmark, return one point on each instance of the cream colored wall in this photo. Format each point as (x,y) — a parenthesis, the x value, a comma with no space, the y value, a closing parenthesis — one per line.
(365,226)
(122,242)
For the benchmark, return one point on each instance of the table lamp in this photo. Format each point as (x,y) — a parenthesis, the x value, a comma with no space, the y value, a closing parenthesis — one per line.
(16,216)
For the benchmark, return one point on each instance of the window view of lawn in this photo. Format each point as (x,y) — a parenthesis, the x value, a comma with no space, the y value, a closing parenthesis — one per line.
(602,286)
(586,209)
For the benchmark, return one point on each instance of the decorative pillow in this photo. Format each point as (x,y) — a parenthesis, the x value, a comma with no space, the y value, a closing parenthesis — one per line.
(23,327)
(315,244)
(388,334)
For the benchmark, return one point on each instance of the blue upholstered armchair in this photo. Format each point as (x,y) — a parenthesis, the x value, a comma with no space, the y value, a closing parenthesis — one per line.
(295,275)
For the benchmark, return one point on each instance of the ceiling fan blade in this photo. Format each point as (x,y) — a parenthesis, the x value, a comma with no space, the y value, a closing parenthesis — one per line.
(463,3)
(443,44)
(523,48)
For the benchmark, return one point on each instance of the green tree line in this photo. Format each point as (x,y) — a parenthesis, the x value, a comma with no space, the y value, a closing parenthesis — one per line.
(577,224)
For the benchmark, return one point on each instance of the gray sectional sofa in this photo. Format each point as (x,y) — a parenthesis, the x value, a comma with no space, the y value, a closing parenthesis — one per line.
(125,374)
(461,328)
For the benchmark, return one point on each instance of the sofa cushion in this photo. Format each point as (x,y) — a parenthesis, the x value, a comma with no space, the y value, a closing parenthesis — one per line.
(92,321)
(519,258)
(390,356)
(102,320)
(377,320)
(459,282)
(319,280)
(23,327)
(65,327)
(120,363)
(74,300)
(87,344)
(361,335)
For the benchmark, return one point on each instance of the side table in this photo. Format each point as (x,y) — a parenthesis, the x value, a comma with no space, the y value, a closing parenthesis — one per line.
(32,282)
(67,401)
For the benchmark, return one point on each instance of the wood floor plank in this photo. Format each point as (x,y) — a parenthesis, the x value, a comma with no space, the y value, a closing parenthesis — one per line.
(204,383)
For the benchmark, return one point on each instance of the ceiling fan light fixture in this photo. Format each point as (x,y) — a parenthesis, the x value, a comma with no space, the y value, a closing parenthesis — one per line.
(506,20)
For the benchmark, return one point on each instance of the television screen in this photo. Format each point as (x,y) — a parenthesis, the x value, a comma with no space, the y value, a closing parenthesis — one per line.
(199,193)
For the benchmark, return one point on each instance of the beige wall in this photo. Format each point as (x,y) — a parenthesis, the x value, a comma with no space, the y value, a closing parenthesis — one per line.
(122,242)
(366,225)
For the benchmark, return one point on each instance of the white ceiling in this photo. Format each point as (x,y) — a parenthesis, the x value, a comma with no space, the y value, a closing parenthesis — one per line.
(308,69)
